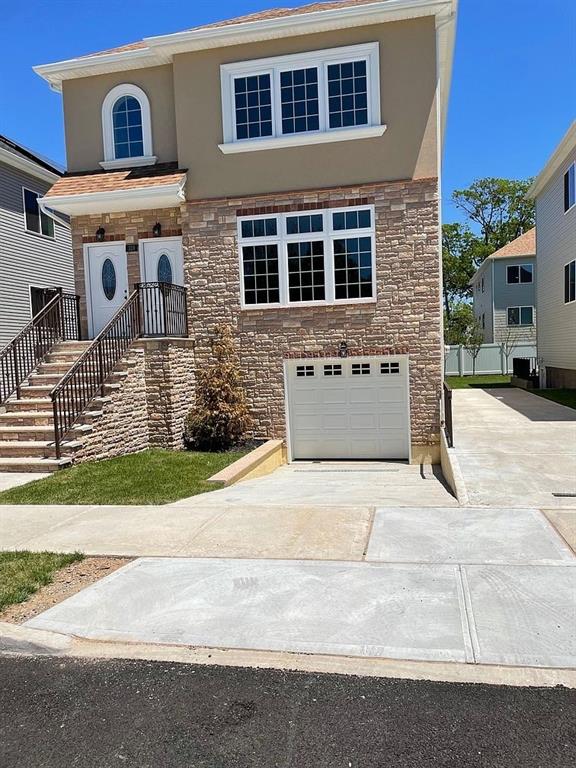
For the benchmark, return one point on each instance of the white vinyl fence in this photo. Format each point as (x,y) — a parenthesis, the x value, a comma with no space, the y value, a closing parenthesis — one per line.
(491,359)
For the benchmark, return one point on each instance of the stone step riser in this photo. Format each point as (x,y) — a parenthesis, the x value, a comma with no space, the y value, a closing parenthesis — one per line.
(30,464)
(40,451)
(27,433)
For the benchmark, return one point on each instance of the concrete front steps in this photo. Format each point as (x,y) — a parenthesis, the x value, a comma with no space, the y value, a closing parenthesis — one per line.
(27,423)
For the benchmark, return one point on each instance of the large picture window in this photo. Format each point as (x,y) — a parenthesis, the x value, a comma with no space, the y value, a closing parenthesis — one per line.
(302,98)
(314,257)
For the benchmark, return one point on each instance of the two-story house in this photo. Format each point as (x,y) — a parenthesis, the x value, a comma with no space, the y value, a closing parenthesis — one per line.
(554,191)
(504,292)
(284,168)
(35,246)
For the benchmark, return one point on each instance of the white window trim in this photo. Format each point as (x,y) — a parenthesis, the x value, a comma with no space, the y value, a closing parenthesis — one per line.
(110,160)
(568,263)
(520,324)
(40,214)
(519,267)
(572,165)
(273,66)
(328,235)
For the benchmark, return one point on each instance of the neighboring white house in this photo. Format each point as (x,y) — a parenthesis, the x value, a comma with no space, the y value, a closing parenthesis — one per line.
(504,292)
(554,191)
(35,247)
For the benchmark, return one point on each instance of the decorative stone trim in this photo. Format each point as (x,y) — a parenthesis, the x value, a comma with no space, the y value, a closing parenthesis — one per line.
(304,206)
(351,352)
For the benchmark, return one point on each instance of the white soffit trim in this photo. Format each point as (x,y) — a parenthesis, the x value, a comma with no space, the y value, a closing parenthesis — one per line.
(145,198)
(555,163)
(23,164)
(161,49)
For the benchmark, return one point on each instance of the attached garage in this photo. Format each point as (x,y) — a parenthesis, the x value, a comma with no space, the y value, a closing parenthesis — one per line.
(351,408)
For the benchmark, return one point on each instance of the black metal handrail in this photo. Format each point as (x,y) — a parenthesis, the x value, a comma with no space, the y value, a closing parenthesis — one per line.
(58,320)
(142,314)
(448,427)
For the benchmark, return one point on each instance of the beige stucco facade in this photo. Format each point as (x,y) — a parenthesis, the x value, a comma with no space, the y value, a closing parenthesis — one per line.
(186,114)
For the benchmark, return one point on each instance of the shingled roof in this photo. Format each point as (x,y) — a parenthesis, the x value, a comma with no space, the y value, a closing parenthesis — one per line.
(525,245)
(114,181)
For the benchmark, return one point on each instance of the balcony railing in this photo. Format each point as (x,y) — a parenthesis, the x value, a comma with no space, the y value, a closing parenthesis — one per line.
(58,320)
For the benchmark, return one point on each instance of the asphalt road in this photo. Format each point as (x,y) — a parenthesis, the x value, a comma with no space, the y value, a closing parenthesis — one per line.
(58,713)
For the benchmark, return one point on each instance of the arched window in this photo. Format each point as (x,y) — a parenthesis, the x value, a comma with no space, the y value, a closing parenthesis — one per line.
(126,127)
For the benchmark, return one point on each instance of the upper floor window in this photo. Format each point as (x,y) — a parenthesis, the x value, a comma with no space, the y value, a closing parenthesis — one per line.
(302,98)
(519,273)
(520,315)
(126,128)
(570,282)
(570,187)
(317,257)
(36,220)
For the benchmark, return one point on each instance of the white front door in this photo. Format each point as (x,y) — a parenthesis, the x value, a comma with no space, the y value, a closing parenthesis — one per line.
(107,283)
(352,408)
(162,261)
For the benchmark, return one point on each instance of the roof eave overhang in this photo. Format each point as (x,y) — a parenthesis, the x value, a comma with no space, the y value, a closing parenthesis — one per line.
(23,164)
(138,199)
(559,156)
(162,49)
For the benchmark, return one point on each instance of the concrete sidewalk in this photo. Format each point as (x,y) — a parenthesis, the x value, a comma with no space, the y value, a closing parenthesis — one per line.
(515,448)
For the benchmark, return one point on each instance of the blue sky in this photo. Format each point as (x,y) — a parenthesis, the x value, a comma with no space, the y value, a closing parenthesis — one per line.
(513,91)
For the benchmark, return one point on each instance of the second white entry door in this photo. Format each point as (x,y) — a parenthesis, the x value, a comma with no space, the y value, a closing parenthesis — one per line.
(107,282)
(162,260)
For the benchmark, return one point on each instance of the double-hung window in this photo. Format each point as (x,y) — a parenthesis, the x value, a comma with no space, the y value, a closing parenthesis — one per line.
(570,187)
(307,257)
(570,282)
(36,220)
(302,98)
(519,273)
(520,315)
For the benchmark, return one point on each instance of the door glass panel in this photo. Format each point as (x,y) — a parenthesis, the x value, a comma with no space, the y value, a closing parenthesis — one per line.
(108,279)
(164,269)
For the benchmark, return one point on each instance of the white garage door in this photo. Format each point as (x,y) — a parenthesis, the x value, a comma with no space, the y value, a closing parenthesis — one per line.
(353,408)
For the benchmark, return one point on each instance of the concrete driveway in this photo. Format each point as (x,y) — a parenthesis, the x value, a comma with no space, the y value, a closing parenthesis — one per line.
(515,448)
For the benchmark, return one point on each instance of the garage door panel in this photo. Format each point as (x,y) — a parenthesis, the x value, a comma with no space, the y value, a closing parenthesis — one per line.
(351,416)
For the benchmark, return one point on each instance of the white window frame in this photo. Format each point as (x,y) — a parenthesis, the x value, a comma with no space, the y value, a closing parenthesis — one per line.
(110,160)
(519,267)
(571,167)
(274,66)
(520,324)
(41,214)
(328,235)
(568,263)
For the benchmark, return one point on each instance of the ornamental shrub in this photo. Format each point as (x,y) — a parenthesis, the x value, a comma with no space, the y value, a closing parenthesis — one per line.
(220,417)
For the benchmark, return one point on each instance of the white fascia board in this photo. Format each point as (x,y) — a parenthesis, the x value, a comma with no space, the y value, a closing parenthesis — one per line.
(161,49)
(28,166)
(162,196)
(555,162)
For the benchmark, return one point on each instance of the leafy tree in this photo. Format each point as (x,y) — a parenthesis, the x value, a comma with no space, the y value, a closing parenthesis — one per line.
(473,341)
(500,210)
(458,251)
(457,324)
(220,416)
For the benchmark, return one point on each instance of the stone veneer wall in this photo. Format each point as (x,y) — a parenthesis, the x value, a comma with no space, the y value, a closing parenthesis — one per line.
(130,227)
(147,410)
(406,316)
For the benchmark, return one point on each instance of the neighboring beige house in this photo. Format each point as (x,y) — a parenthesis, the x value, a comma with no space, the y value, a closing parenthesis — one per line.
(504,292)
(284,168)
(554,191)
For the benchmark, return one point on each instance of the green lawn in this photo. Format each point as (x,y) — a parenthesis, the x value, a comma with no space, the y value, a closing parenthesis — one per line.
(562,396)
(477,382)
(23,573)
(151,477)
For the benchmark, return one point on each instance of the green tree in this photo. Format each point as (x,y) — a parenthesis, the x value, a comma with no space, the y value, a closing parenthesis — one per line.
(458,323)
(458,260)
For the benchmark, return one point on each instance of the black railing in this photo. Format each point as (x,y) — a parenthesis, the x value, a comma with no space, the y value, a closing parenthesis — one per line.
(58,320)
(163,309)
(448,428)
(153,309)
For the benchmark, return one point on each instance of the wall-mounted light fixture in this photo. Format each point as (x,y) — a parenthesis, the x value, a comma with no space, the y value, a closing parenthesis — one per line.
(157,229)
(343,349)
(100,234)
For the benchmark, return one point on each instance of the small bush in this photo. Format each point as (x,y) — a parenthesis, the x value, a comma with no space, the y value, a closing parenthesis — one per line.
(220,418)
